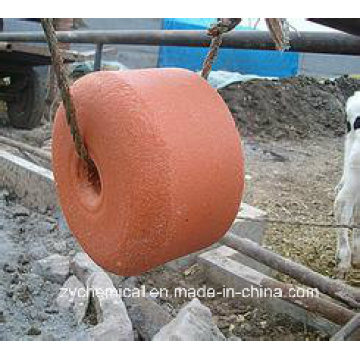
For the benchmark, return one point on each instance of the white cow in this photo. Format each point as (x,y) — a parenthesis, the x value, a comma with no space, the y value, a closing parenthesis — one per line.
(347,202)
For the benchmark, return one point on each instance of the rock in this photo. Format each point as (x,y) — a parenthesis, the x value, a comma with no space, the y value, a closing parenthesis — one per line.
(20,210)
(23,259)
(54,268)
(110,330)
(193,323)
(2,317)
(73,295)
(9,268)
(83,267)
(81,335)
(35,283)
(33,331)
(38,252)
(113,319)
(42,316)
(51,310)
(106,298)
(147,316)
(60,246)
(47,337)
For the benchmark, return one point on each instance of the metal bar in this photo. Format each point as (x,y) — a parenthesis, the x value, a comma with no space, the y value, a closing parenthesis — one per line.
(98,55)
(350,26)
(313,42)
(333,288)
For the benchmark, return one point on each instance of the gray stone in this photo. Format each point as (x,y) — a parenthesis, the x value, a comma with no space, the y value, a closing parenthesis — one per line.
(47,337)
(60,246)
(35,283)
(20,210)
(147,316)
(110,330)
(111,313)
(193,323)
(253,230)
(107,300)
(73,296)
(54,268)
(38,251)
(9,268)
(83,267)
(81,335)
(32,183)
(33,331)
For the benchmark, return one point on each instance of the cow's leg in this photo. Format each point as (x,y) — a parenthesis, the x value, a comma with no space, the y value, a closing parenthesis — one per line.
(355,259)
(343,210)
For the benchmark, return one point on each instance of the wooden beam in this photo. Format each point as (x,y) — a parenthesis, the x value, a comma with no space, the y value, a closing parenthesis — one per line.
(334,288)
(348,329)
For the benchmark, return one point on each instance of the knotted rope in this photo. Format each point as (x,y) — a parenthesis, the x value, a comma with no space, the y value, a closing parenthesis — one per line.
(216,32)
(63,83)
(278,28)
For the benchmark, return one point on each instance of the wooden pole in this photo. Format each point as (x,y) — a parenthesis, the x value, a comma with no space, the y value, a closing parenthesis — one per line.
(328,309)
(348,329)
(334,288)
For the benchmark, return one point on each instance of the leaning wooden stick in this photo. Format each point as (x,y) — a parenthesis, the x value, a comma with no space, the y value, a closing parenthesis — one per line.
(348,329)
(334,288)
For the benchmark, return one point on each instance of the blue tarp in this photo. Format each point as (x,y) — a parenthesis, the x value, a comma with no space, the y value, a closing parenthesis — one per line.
(258,62)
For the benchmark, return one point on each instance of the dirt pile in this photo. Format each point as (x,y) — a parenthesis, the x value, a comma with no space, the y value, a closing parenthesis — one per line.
(291,108)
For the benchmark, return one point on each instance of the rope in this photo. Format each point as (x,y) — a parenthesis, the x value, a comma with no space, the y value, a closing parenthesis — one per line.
(300,223)
(279,30)
(211,56)
(216,32)
(63,83)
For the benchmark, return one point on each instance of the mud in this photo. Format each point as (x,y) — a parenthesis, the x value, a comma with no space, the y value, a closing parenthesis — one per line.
(293,108)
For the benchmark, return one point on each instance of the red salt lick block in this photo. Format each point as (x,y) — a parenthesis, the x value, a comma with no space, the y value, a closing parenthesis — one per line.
(169,167)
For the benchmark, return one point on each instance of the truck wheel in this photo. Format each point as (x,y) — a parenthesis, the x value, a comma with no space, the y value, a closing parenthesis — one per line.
(25,110)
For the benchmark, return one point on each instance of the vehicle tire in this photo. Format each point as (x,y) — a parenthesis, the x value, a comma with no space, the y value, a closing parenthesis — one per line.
(26,110)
